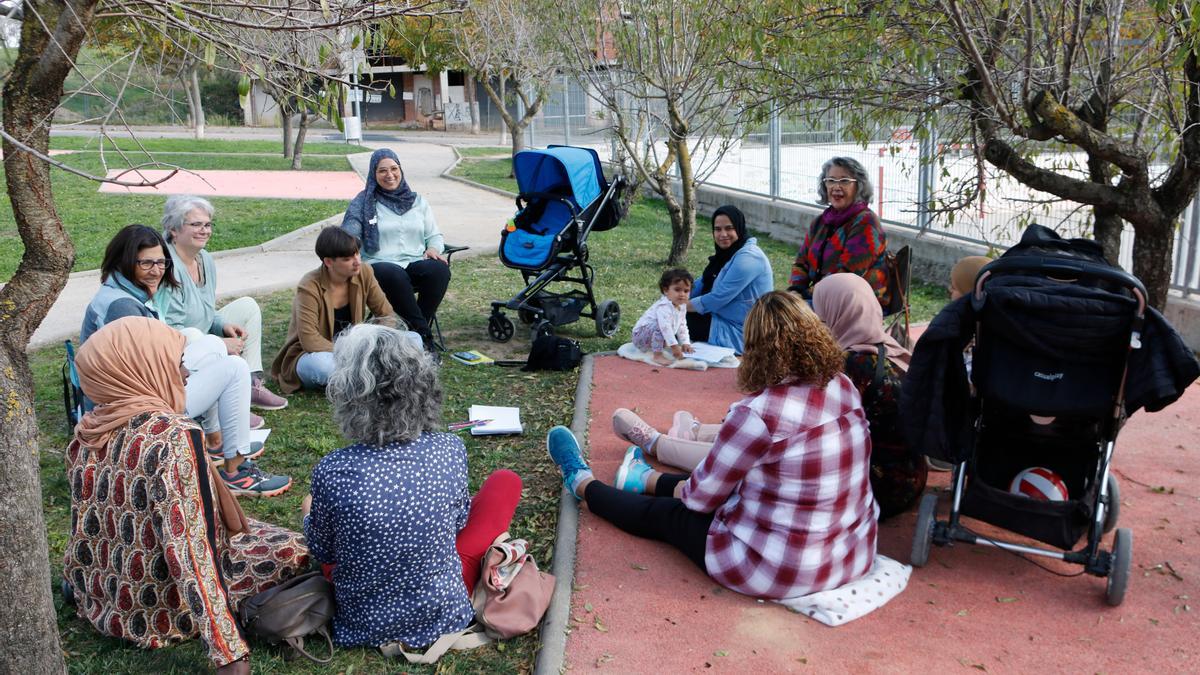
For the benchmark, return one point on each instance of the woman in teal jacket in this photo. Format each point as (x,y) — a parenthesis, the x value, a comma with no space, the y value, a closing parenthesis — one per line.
(736,275)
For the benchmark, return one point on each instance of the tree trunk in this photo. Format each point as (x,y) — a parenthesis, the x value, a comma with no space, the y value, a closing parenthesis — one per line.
(196,103)
(285,118)
(684,230)
(28,627)
(472,99)
(1152,248)
(298,148)
(1106,230)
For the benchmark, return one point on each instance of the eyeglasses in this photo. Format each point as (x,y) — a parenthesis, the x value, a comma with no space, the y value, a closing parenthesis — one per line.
(200,225)
(830,182)
(148,264)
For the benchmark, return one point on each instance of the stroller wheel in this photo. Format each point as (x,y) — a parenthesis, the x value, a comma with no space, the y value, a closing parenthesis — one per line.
(1118,573)
(608,318)
(1114,504)
(923,536)
(540,329)
(500,328)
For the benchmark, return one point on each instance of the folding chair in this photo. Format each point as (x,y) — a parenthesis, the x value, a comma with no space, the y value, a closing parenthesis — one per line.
(74,401)
(899,276)
(434,327)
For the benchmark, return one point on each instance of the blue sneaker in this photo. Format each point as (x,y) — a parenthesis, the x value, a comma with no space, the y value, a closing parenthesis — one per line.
(631,477)
(564,450)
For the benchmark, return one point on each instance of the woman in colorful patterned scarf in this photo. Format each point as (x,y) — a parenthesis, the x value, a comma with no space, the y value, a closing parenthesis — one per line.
(159,550)
(846,237)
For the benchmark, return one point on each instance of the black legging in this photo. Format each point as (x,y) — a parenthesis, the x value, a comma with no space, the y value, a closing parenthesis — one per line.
(699,325)
(660,516)
(415,292)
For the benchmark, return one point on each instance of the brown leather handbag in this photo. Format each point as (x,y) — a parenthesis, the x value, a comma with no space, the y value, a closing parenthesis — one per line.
(289,612)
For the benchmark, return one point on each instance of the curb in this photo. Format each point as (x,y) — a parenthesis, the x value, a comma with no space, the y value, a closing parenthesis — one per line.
(551,655)
(467,181)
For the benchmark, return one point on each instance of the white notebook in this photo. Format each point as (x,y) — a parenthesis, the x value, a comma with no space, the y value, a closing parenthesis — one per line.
(504,420)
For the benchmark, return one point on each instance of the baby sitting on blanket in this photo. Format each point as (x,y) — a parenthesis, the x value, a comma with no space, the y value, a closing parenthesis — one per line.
(664,324)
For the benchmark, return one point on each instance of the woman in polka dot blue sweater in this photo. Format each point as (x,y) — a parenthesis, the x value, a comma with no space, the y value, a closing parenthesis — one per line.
(390,517)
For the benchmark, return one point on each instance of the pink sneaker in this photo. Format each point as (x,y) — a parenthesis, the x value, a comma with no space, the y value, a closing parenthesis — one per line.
(264,399)
(257,422)
(629,426)
(684,426)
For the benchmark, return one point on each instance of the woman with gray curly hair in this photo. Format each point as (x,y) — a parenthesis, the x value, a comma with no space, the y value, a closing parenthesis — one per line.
(847,236)
(389,517)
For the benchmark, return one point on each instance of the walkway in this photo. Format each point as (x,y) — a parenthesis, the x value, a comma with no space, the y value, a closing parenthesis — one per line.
(641,607)
(466,215)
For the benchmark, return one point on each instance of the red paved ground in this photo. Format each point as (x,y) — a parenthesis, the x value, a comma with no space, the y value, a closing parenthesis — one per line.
(276,184)
(640,607)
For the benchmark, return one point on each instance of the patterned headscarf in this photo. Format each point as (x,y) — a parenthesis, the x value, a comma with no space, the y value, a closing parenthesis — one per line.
(363,207)
(847,304)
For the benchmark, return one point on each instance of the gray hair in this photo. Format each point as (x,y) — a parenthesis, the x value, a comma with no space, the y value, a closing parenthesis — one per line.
(383,388)
(177,208)
(865,191)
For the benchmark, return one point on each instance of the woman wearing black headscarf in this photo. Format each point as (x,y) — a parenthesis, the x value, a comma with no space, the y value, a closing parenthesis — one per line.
(737,273)
(401,241)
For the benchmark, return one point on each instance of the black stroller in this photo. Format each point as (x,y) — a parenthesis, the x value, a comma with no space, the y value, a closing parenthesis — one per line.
(563,197)
(1054,331)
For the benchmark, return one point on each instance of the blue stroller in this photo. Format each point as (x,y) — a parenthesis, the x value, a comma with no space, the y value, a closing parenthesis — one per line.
(562,198)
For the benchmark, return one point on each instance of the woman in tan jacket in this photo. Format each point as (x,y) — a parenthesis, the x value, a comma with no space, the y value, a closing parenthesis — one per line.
(328,300)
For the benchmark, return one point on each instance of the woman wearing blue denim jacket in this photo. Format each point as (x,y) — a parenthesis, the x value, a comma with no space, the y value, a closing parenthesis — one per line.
(737,274)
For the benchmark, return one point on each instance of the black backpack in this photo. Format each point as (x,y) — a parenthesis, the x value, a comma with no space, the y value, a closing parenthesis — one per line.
(550,352)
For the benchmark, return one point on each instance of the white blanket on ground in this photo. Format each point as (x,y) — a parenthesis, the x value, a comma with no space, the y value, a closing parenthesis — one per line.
(632,353)
(884,581)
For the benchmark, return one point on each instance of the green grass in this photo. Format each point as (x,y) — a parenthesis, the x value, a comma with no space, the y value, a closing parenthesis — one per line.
(627,261)
(155,145)
(91,217)
(484,151)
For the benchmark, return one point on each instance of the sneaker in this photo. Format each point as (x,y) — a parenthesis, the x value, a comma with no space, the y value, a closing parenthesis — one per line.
(257,422)
(251,480)
(631,477)
(629,426)
(684,426)
(938,465)
(217,455)
(264,399)
(564,450)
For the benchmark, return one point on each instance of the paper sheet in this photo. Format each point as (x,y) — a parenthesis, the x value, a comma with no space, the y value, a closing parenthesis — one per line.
(709,353)
(504,420)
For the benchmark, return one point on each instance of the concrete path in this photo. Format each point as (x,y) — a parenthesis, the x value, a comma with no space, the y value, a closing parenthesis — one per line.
(467,216)
(641,607)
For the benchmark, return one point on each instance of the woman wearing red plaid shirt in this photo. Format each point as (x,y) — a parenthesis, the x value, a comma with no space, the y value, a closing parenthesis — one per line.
(782,505)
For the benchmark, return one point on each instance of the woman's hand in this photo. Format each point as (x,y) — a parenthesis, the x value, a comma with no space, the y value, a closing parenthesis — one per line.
(239,667)
(435,255)
(306,505)
(691,307)
(234,346)
(235,339)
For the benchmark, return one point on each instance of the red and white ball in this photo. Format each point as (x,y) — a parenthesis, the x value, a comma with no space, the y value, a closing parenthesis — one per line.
(1039,483)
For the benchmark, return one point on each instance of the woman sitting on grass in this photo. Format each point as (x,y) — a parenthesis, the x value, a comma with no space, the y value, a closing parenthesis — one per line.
(158,551)
(391,514)
(328,300)
(781,505)
(217,393)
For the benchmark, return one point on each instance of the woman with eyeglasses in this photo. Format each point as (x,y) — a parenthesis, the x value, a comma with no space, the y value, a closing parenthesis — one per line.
(187,226)
(217,390)
(846,237)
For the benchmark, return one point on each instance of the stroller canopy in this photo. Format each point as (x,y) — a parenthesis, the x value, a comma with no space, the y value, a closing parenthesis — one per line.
(553,169)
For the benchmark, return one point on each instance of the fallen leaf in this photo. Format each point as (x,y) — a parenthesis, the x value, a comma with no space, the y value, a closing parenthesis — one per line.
(600,626)
(802,660)
(1006,599)
(639,567)
(720,652)
(604,658)
(587,607)
(961,612)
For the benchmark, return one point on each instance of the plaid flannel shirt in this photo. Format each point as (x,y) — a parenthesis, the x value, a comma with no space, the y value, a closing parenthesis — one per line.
(788,478)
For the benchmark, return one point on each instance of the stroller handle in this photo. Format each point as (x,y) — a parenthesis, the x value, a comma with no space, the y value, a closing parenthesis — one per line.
(1065,267)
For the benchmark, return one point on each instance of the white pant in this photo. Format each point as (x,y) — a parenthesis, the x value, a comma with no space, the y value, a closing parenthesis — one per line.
(218,387)
(245,313)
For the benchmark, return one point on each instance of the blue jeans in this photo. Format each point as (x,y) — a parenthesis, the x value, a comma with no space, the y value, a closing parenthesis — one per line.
(314,368)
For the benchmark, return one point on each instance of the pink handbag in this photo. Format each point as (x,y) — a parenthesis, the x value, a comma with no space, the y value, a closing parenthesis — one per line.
(512,594)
